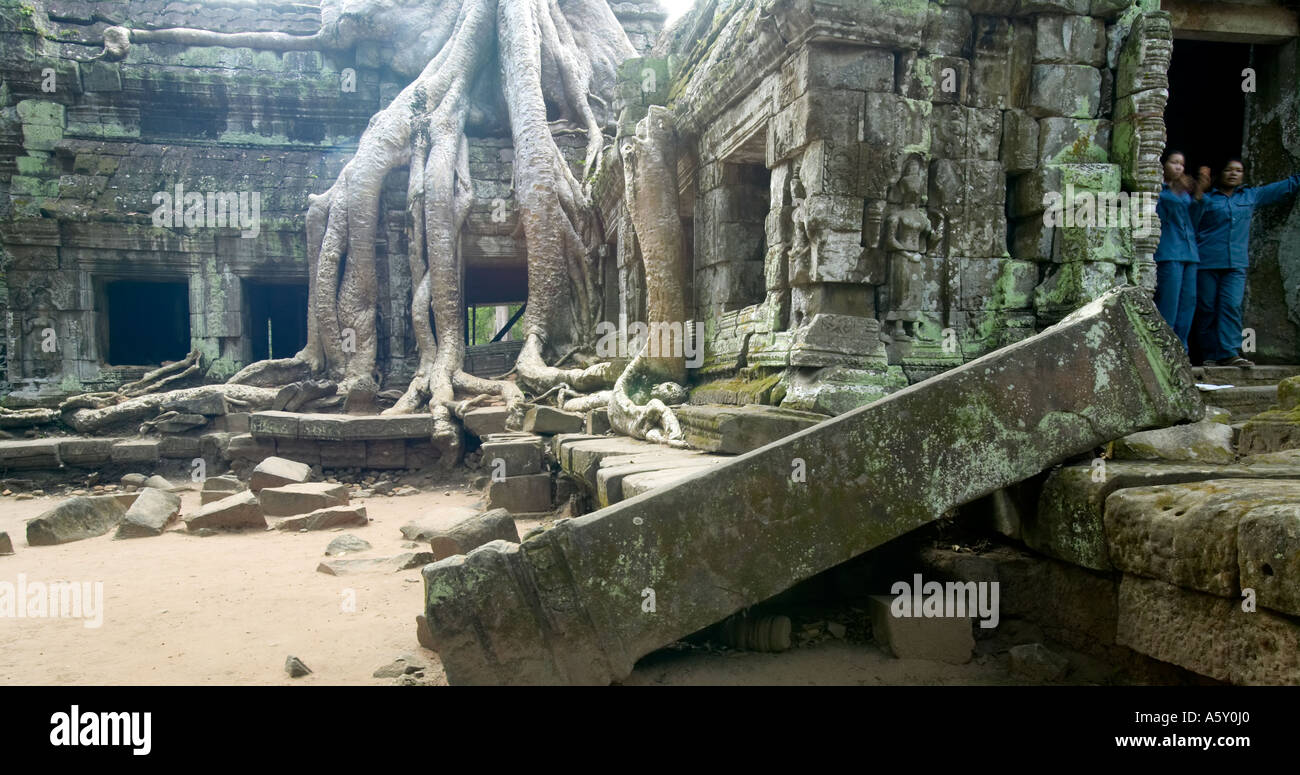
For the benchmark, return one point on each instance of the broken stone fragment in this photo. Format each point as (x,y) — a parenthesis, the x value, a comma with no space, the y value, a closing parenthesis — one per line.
(483,421)
(548,420)
(150,514)
(401,562)
(403,665)
(158,483)
(236,512)
(345,544)
(472,533)
(292,499)
(1199,442)
(295,667)
(428,526)
(276,472)
(326,518)
(939,638)
(6,545)
(76,519)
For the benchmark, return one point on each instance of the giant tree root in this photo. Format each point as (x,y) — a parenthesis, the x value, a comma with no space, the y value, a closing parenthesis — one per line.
(640,410)
(133,411)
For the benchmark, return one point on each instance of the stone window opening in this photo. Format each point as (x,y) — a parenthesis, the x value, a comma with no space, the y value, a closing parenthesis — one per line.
(143,323)
(277,318)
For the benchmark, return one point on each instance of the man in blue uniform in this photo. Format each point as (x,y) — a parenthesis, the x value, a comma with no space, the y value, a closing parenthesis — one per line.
(1222,218)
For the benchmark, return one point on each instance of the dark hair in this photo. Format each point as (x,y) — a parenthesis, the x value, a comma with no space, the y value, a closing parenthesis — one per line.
(1184,183)
(1164,157)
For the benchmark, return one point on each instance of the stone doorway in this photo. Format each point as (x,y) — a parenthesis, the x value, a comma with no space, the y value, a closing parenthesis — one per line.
(144,323)
(1205,115)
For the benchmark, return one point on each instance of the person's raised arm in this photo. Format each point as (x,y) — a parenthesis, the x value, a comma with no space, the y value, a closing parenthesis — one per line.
(1277,192)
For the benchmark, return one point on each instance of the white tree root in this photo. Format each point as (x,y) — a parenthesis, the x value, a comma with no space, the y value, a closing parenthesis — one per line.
(566,53)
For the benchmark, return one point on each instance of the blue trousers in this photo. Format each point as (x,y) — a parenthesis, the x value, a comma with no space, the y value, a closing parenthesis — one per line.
(1176,295)
(1219,294)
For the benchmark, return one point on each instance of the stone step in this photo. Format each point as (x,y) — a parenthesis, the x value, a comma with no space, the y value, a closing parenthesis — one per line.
(614,470)
(339,427)
(1233,375)
(737,429)
(1243,402)
(569,604)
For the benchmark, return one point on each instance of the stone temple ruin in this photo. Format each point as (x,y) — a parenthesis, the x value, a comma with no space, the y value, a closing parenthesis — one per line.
(838,207)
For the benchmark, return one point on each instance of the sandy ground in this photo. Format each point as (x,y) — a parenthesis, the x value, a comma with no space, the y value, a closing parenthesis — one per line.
(180,609)
(227,609)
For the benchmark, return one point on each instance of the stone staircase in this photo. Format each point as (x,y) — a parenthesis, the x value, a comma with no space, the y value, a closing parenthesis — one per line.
(1253,390)
(709,536)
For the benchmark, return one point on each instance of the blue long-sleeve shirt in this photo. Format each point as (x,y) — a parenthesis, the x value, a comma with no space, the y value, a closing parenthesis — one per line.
(1177,234)
(1223,222)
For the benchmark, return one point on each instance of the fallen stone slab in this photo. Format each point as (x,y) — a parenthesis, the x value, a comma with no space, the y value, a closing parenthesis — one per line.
(75,519)
(217,487)
(346,544)
(6,545)
(1186,534)
(401,562)
(1208,634)
(529,494)
(470,534)
(435,522)
(1199,442)
(293,499)
(566,605)
(1069,523)
(326,518)
(940,639)
(236,512)
(486,420)
(549,420)
(29,454)
(150,514)
(736,429)
(276,472)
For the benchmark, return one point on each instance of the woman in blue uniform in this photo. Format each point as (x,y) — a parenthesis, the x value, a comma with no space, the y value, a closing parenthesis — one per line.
(1176,257)
(1222,219)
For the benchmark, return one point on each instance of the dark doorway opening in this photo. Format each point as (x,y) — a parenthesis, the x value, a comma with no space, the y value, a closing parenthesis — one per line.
(277,318)
(1205,115)
(148,322)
